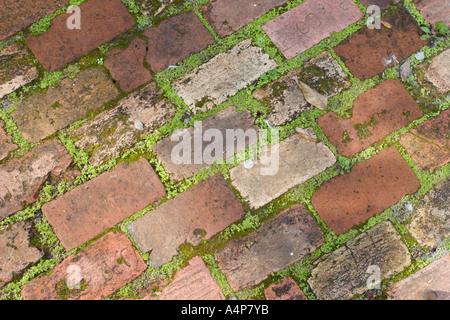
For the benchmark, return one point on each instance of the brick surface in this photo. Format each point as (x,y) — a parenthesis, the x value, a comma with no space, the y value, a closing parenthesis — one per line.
(21,179)
(436,129)
(102,202)
(434,10)
(286,289)
(102,20)
(298,161)
(425,154)
(433,277)
(227,119)
(375,114)
(198,213)
(45,113)
(276,244)
(115,130)
(6,144)
(16,68)
(193,283)
(127,66)
(371,187)
(306,25)
(286,99)
(370,51)
(16,253)
(15,15)
(104,267)
(344,272)
(175,39)
(223,76)
(228,16)
(438,71)
(383,4)
(430,222)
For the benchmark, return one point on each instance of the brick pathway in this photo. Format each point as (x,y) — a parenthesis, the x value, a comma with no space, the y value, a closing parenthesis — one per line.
(127,165)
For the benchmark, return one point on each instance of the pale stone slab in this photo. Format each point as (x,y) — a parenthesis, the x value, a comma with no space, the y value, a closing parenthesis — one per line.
(115,130)
(16,253)
(245,133)
(6,144)
(433,277)
(345,272)
(430,223)
(306,25)
(16,68)
(438,71)
(223,76)
(45,113)
(298,161)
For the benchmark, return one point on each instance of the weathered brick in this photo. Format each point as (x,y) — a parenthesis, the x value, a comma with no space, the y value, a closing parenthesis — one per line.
(376,113)
(345,272)
(293,161)
(286,289)
(433,277)
(227,119)
(371,187)
(382,4)
(198,213)
(45,113)
(436,129)
(304,26)
(192,283)
(434,10)
(430,222)
(21,179)
(370,51)
(438,71)
(101,21)
(223,76)
(16,253)
(127,65)
(102,268)
(286,99)
(115,130)
(16,68)
(428,156)
(285,239)
(16,15)
(228,16)
(102,202)
(175,39)
(6,144)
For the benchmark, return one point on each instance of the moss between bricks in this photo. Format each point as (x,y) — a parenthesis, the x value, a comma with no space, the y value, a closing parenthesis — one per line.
(341,104)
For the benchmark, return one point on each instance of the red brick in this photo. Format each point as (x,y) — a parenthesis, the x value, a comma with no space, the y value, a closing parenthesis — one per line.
(436,129)
(383,4)
(370,51)
(127,66)
(104,267)
(228,16)
(433,277)
(434,10)
(101,203)
(175,39)
(16,253)
(196,214)
(286,289)
(285,239)
(6,144)
(371,187)
(101,21)
(309,23)
(15,15)
(376,114)
(425,154)
(193,283)
(21,179)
